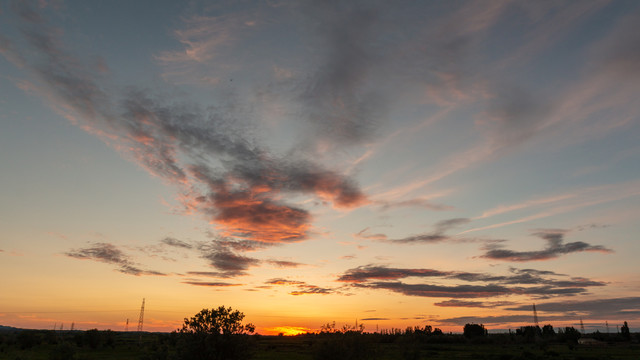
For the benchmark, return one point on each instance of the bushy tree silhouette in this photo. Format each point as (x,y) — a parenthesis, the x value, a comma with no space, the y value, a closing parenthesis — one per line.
(215,334)
(222,320)
(624,331)
(474,330)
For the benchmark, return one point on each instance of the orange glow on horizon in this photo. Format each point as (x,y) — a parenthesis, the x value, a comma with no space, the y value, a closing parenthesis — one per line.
(286,330)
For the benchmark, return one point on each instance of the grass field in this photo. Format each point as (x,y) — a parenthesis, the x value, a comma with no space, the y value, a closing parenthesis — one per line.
(46,345)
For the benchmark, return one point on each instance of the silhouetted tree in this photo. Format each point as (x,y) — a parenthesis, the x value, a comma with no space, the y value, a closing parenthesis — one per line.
(215,334)
(347,343)
(570,334)
(474,330)
(547,331)
(529,332)
(92,338)
(329,328)
(27,339)
(624,331)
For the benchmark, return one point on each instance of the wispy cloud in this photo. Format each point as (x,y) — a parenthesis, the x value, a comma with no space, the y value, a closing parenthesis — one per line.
(176,243)
(591,307)
(284,263)
(210,284)
(555,248)
(227,262)
(110,254)
(473,304)
(430,290)
(536,283)
(488,320)
(437,235)
(301,287)
(214,274)
(226,176)
(560,204)
(421,203)
(570,310)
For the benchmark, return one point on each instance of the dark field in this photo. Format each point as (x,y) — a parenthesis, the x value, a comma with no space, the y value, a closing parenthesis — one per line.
(103,345)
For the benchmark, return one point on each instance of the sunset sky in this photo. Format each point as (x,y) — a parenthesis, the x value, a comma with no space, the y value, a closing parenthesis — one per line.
(394,163)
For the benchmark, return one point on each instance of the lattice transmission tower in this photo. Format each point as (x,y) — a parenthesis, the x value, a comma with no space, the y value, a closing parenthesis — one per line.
(535,316)
(141,318)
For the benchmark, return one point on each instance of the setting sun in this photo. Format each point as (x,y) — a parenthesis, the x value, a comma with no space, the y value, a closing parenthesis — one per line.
(287,330)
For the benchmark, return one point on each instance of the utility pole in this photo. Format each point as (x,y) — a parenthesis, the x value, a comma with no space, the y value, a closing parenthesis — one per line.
(141,320)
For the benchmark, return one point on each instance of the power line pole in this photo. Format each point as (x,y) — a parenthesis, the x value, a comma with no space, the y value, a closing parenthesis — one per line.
(535,316)
(141,320)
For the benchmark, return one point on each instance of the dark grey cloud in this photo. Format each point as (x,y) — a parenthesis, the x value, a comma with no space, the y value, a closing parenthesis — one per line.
(437,235)
(214,274)
(301,287)
(375,319)
(23,9)
(619,55)
(133,270)
(595,309)
(110,254)
(535,283)
(369,272)
(514,115)
(612,306)
(428,290)
(104,252)
(337,101)
(243,195)
(555,248)
(241,245)
(210,284)
(445,225)
(282,281)
(473,304)
(9,51)
(534,272)
(284,263)
(519,277)
(311,290)
(364,234)
(421,203)
(221,172)
(489,320)
(422,238)
(176,243)
(227,262)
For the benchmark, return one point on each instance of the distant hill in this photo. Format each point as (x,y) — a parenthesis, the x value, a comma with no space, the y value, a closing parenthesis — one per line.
(8,328)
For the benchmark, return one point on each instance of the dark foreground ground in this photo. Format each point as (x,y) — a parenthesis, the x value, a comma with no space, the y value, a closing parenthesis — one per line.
(103,345)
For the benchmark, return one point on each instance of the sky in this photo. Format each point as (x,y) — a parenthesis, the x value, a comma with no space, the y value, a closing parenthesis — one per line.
(392,163)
